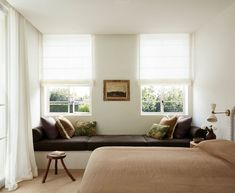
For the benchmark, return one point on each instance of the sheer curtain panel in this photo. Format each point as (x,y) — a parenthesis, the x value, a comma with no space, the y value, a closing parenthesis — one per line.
(20,160)
(2,95)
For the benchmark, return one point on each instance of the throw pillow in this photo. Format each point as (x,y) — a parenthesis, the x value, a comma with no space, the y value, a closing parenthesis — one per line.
(85,128)
(65,127)
(171,122)
(158,131)
(61,129)
(37,134)
(182,127)
(49,127)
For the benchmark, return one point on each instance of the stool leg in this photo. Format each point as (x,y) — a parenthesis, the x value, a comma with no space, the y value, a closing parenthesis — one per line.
(45,176)
(67,171)
(56,168)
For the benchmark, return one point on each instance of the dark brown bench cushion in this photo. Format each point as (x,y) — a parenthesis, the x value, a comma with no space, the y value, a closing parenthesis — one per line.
(85,143)
(116,140)
(167,142)
(76,143)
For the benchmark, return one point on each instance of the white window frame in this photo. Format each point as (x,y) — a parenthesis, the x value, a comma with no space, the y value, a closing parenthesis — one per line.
(46,106)
(185,100)
(187,83)
(66,83)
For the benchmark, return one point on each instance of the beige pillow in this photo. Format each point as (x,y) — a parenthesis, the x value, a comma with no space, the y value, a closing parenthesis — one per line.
(65,127)
(171,122)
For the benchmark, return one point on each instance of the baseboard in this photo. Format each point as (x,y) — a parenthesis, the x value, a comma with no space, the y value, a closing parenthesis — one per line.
(73,160)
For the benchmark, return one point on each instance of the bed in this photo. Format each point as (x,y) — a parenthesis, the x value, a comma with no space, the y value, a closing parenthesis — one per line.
(208,168)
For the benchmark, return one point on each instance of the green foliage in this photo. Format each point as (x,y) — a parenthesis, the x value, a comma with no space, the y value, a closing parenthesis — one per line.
(61,100)
(172,98)
(59,94)
(83,108)
(150,101)
(58,108)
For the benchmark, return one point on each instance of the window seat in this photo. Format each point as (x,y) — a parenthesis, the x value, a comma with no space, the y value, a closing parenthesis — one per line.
(85,143)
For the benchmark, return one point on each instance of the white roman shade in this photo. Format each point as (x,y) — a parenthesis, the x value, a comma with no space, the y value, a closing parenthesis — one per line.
(165,58)
(67,59)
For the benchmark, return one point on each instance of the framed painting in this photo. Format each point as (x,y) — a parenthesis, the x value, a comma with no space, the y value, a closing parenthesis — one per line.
(116,90)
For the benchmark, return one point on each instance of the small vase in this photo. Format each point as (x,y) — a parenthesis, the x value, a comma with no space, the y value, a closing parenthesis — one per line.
(210,134)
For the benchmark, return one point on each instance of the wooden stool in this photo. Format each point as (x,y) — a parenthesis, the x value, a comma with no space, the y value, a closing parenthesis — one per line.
(52,156)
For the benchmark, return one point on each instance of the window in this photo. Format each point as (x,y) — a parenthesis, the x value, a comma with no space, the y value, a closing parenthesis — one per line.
(160,99)
(2,95)
(164,73)
(68,99)
(67,73)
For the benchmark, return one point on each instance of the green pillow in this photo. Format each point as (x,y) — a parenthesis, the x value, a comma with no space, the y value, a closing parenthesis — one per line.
(158,131)
(85,128)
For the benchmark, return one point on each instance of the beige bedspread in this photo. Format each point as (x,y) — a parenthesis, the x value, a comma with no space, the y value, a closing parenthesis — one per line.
(209,168)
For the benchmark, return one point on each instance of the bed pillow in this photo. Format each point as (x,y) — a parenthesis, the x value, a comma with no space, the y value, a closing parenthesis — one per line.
(182,127)
(171,122)
(223,149)
(49,127)
(85,128)
(158,131)
(65,127)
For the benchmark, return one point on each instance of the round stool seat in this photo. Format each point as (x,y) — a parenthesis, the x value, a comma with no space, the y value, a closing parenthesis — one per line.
(56,155)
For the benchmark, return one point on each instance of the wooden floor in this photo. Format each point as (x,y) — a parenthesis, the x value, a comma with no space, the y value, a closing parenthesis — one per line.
(60,183)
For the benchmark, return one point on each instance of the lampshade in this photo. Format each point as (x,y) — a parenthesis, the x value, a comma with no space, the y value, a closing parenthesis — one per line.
(213,106)
(212,118)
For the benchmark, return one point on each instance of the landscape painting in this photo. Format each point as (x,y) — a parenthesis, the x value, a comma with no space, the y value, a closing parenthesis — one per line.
(116,90)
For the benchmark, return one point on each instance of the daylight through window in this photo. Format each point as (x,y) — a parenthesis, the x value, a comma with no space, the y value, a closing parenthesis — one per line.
(164,73)
(67,73)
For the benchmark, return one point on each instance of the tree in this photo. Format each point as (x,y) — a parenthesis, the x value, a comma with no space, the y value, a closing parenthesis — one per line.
(84,108)
(172,98)
(59,94)
(150,100)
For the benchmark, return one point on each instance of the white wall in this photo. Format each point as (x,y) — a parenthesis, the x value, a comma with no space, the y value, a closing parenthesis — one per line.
(215,70)
(115,57)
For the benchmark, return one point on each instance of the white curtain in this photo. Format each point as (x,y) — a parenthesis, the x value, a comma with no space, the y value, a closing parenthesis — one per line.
(2,94)
(20,160)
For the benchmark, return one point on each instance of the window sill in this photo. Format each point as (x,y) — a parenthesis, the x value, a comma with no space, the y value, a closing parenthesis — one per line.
(68,114)
(162,114)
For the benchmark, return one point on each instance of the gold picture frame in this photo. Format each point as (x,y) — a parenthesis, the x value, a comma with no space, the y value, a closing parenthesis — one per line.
(116,90)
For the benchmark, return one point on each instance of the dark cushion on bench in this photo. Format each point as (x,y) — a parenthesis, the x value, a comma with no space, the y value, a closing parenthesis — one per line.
(167,142)
(85,143)
(116,140)
(73,144)
(38,134)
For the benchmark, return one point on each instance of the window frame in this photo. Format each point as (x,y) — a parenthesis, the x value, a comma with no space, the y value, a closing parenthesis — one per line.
(185,100)
(44,83)
(46,106)
(186,82)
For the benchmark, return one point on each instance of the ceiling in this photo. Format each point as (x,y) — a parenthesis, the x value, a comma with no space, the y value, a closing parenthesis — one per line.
(119,16)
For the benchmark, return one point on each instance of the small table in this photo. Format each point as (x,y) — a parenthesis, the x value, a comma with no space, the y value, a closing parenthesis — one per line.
(51,156)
